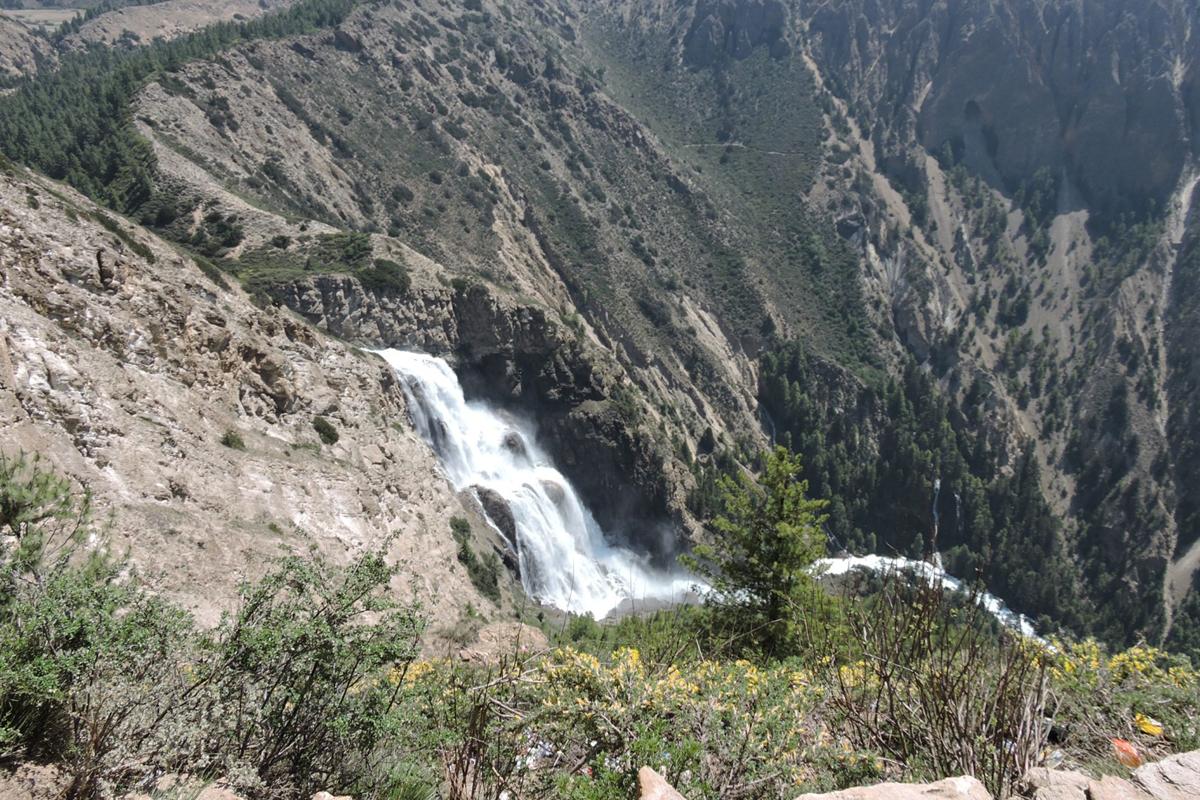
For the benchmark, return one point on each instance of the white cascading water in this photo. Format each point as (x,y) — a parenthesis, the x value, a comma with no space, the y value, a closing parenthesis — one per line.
(932,574)
(564,559)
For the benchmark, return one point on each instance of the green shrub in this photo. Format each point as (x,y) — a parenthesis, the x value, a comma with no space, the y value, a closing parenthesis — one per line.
(210,270)
(233,440)
(461,528)
(307,672)
(483,571)
(768,536)
(291,693)
(385,277)
(402,194)
(77,642)
(325,430)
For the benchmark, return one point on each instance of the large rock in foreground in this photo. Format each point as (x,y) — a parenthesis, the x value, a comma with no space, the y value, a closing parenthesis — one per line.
(961,788)
(1174,778)
(652,786)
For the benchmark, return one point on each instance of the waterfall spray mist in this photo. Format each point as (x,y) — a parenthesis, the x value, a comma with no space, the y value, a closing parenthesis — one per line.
(564,559)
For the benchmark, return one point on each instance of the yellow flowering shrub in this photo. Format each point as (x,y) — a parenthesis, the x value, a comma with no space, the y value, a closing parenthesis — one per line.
(1142,694)
(749,717)
(1088,664)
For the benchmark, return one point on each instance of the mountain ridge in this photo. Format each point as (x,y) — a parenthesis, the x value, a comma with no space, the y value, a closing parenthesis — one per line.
(687,190)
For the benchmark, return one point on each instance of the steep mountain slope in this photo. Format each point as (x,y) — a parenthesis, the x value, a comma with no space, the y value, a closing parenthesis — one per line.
(188,413)
(140,24)
(678,230)
(20,49)
(1088,145)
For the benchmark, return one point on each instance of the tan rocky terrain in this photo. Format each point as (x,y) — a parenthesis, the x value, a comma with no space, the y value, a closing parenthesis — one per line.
(20,49)
(140,24)
(125,367)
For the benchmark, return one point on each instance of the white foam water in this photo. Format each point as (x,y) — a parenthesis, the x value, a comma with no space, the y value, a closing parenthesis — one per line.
(932,575)
(564,558)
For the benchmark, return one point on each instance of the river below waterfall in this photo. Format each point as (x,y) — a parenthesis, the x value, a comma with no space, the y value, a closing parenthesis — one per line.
(932,575)
(565,560)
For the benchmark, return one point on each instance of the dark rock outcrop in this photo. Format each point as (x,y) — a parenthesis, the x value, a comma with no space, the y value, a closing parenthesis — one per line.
(733,29)
(499,512)
(1092,88)
(518,356)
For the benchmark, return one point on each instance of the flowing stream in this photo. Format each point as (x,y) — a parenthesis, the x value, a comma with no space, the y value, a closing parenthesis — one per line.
(933,575)
(564,559)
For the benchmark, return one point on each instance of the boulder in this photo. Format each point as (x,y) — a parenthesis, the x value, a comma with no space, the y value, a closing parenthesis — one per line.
(498,511)
(555,491)
(347,42)
(515,444)
(110,270)
(1055,784)
(1174,778)
(960,788)
(652,786)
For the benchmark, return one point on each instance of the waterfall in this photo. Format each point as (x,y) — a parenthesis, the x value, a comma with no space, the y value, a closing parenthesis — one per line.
(563,557)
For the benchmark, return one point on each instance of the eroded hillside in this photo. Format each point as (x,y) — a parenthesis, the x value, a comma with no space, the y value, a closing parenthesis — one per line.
(677,231)
(189,413)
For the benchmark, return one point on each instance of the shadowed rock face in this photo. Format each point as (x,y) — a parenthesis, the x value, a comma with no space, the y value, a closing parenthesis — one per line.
(733,28)
(499,512)
(516,356)
(1091,88)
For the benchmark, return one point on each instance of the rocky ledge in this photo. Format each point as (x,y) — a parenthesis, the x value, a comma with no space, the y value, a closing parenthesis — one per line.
(1174,778)
(519,356)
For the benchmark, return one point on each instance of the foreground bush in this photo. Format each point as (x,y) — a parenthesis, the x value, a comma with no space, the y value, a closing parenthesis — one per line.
(1143,695)
(314,683)
(569,724)
(933,683)
(290,693)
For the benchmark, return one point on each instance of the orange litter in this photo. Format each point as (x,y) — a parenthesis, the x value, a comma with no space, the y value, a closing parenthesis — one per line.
(1127,754)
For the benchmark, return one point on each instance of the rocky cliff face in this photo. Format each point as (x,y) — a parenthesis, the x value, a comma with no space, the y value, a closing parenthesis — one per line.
(1095,90)
(732,29)
(188,413)
(517,356)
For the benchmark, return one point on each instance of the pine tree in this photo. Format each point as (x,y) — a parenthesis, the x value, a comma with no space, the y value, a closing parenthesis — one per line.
(767,538)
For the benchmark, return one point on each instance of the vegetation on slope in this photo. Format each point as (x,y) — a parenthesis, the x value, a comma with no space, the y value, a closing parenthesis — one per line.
(75,124)
(314,681)
(877,452)
(290,693)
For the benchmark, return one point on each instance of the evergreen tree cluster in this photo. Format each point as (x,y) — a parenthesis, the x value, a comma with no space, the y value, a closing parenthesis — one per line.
(76,125)
(876,456)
